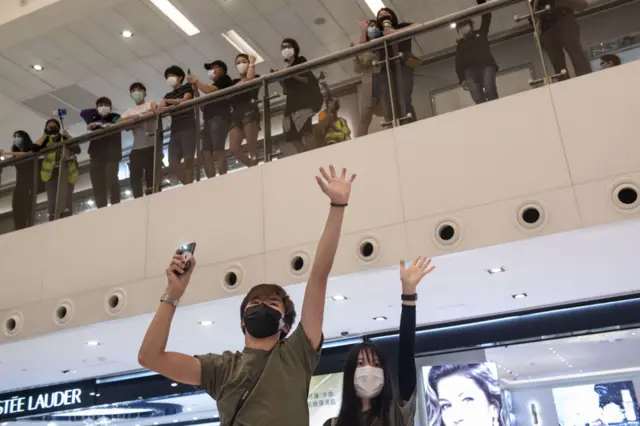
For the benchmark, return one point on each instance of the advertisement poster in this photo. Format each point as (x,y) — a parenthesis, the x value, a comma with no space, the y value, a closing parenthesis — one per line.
(325,394)
(597,404)
(466,394)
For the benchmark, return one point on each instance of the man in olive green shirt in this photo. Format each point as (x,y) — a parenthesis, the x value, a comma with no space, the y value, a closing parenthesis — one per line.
(266,384)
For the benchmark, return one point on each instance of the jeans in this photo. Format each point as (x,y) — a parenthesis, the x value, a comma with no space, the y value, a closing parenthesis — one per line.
(141,165)
(482,83)
(104,179)
(563,36)
(52,190)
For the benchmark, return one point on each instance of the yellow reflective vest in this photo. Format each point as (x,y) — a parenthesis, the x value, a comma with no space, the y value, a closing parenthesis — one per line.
(49,163)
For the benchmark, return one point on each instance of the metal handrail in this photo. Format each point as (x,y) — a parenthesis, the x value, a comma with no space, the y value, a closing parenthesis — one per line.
(229,92)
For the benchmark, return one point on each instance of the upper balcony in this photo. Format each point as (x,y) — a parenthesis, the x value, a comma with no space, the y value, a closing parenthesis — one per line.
(547,157)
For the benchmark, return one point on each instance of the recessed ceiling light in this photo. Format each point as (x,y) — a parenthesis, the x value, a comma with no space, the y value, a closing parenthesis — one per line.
(126,34)
(374,5)
(338,298)
(206,323)
(241,45)
(68,371)
(92,393)
(173,385)
(176,16)
(453,25)
(519,295)
(380,318)
(93,343)
(493,271)
(155,423)
(175,421)
(127,193)
(97,395)
(37,67)
(90,202)
(195,418)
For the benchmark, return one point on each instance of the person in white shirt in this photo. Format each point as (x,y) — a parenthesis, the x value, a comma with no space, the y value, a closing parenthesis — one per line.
(142,155)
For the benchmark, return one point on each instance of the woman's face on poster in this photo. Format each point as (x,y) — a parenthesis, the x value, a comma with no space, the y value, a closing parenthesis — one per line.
(462,403)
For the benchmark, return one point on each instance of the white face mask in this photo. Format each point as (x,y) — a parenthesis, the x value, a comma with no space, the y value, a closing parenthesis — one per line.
(104,110)
(368,381)
(212,74)
(242,68)
(288,52)
(172,81)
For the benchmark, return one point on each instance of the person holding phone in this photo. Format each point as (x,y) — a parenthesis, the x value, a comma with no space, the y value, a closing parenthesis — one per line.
(268,382)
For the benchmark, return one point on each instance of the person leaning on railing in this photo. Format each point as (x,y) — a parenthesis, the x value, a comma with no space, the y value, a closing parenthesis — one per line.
(50,170)
(22,201)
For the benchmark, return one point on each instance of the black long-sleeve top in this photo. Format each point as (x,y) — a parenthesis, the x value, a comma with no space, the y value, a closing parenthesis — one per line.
(406,353)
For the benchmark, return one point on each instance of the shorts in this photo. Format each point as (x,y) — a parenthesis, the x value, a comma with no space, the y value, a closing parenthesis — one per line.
(214,134)
(242,116)
(293,134)
(182,143)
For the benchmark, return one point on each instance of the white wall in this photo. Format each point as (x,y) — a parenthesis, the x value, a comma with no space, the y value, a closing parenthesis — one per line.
(474,167)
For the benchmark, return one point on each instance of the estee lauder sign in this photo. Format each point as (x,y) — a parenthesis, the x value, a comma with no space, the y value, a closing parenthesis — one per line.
(45,400)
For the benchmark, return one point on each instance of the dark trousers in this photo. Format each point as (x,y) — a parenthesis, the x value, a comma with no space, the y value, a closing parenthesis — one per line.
(563,36)
(22,206)
(52,191)
(482,83)
(141,167)
(104,179)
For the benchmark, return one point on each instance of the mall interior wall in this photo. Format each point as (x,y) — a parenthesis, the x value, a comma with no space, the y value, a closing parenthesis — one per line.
(472,172)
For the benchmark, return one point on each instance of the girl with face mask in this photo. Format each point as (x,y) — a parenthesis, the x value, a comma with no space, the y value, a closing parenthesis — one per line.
(299,89)
(245,116)
(22,201)
(368,395)
(371,95)
(53,162)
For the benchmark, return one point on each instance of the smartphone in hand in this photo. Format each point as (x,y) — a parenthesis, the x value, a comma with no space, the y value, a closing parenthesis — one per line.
(190,250)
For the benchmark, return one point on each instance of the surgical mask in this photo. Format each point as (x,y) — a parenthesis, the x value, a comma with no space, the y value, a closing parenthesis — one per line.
(137,96)
(17,141)
(262,321)
(172,81)
(374,32)
(368,381)
(288,52)
(242,68)
(212,74)
(104,110)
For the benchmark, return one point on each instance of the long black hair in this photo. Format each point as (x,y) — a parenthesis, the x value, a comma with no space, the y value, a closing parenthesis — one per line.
(27,143)
(351,404)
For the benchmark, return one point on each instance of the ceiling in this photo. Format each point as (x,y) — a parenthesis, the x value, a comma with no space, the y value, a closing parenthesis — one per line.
(578,265)
(79,44)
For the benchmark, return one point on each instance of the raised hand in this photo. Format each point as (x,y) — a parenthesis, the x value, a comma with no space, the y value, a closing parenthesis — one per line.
(412,275)
(177,278)
(338,189)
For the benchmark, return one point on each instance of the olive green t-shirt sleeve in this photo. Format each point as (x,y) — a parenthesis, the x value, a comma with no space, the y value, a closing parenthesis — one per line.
(214,370)
(300,347)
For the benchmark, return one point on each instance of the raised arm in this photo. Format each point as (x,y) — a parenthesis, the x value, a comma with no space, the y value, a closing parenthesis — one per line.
(338,189)
(153,355)
(410,278)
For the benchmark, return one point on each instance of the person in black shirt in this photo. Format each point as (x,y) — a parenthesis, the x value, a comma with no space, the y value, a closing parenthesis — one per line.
(245,121)
(368,394)
(299,89)
(22,202)
(559,32)
(389,23)
(182,145)
(475,65)
(217,116)
(105,153)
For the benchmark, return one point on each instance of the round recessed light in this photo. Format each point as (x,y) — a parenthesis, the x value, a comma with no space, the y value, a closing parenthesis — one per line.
(126,34)
(338,298)
(195,418)
(453,25)
(37,67)
(493,271)
(380,318)
(173,385)
(175,421)
(127,193)
(206,323)
(90,202)
(93,343)
(155,423)
(519,295)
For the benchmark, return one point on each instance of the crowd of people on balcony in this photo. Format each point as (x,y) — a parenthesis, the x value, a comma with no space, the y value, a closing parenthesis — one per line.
(237,119)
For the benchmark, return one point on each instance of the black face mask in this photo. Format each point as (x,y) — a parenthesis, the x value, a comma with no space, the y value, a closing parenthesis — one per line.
(51,131)
(262,321)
